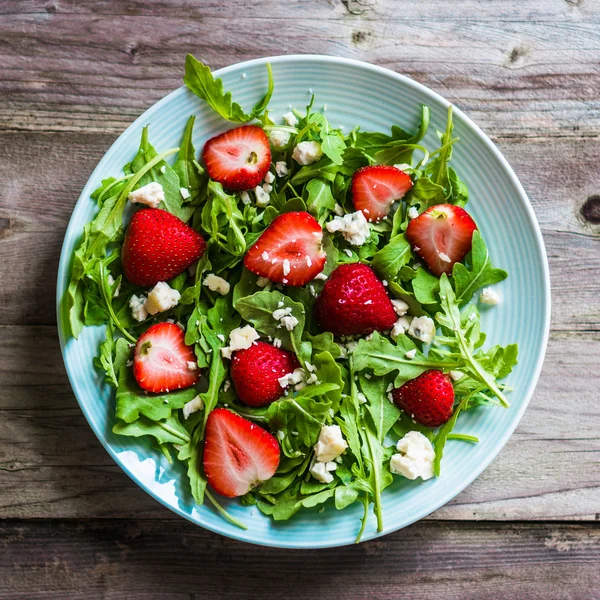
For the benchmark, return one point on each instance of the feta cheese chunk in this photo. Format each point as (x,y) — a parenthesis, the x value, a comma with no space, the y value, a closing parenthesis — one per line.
(290,119)
(330,444)
(306,153)
(245,197)
(161,297)
(353,226)
(240,338)
(281,168)
(285,318)
(269,177)
(413,213)
(415,457)
(295,377)
(151,195)
(401,326)
(279,139)
(422,328)
(262,197)
(194,405)
(185,193)
(456,375)
(321,471)
(138,308)
(489,296)
(411,354)
(216,284)
(400,307)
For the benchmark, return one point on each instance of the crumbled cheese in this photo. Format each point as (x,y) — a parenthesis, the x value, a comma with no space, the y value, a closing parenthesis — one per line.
(400,307)
(456,375)
(362,399)
(411,354)
(312,290)
(306,153)
(163,169)
(267,187)
(138,309)
(194,405)
(151,195)
(281,168)
(290,119)
(401,326)
(489,296)
(277,342)
(111,282)
(262,282)
(245,197)
(321,471)
(422,328)
(338,210)
(161,297)
(330,444)
(240,338)
(443,256)
(286,267)
(269,177)
(226,385)
(192,366)
(353,226)
(348,252)
(279,313)
(415,457)
(265,255)
(321,276)
(278,138)
(216,284)
(262,197)
(185,193)
(295,377)
(413,213)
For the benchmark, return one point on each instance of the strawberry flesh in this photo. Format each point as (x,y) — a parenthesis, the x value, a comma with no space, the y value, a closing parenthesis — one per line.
(428,399)
(158,246)
(256,372)
(354,302)
(376,188)
(162,362)
(239,158)
(289,251)
(441,236)
(238,455)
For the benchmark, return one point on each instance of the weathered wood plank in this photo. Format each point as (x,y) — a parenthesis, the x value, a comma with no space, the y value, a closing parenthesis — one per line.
(51,465)
(177,561)
(519,70)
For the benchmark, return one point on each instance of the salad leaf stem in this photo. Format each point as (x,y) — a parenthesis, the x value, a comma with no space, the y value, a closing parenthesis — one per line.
(223,512)
(109,307)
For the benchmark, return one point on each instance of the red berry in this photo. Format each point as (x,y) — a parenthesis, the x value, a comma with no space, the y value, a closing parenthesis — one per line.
(256,372)
(162,362)
(376,188)
(158,246)
(238,455)
(441,236)
(289,251)
(239,158)
(428,398)
(354,302)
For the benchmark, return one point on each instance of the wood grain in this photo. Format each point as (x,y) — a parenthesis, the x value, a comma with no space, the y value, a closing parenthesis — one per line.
(111,560)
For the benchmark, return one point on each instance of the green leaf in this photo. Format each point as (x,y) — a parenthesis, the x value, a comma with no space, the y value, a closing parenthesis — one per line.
(328,371)
(113,355)
(165,431)
(426,286)
(199,79)
(392,257)
(383,412)
(332,144)
(320,200)
(345,495)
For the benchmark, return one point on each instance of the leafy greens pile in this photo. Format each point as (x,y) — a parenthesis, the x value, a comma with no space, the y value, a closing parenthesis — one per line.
(348,372)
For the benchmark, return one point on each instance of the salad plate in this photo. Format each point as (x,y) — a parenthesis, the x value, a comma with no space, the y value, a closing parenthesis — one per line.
(348,94)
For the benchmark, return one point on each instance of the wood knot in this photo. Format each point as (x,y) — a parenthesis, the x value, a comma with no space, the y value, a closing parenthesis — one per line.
(5,225)
(359,7)
(51,7)
(133,49)
(590,210)
(360,38)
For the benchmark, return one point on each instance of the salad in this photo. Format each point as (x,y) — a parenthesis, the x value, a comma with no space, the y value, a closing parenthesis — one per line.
(293,312)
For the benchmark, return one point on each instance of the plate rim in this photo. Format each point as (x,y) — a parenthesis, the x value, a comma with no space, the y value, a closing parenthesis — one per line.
(65,263)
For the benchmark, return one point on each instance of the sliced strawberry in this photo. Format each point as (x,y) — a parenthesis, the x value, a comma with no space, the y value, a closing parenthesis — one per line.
(256,372)
(162,362)
(238,455)
(158,246)
(428,399)
(441,236)
(376,188)
(239,158)
(289,251)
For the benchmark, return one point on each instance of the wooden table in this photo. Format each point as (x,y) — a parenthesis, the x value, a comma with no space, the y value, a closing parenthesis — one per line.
(73,75)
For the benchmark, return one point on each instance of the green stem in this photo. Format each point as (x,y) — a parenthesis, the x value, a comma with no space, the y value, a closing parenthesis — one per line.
(111,312)
(223,512)
(377,486)
(363,521)
(172,431)
(463,437)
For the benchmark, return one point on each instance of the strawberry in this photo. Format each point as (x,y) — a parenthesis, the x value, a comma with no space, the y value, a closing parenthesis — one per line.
(354,302)
(289,250)
(158,246)
(161,360)
(376,188)
(256,372)
(239,158)
(238,455)
(441,236)
(428,398)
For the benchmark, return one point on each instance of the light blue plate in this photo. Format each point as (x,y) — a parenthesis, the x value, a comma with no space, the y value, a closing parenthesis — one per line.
(355,93)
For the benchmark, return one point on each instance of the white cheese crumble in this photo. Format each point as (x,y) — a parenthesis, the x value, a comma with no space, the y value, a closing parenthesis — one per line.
(401,326)
(400,307)
(290,119)
(286,266)
(353,226)
(285,318)
(456,375)
(422,328)
(413,213)
(245,197)
(163,169)
(279,138)
(194,405)
(138,309)
(262,197)
(306,153)
(277,342)
(330,444)
(297,376)
(362,399)
(265,255)
(241,338)
(348,252)
(321,276)
(415,457)
(216,284)
(185,193)
(321,471)
(267,187)
(192,366)
(281,168)
(443,256)
(269,177)
(161,297)
(489,296)
(411,354)
(151,195)
(338,210)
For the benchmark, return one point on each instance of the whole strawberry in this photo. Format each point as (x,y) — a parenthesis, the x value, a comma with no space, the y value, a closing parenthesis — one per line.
(158,246)
(354,302)
(428,398)
(256,372)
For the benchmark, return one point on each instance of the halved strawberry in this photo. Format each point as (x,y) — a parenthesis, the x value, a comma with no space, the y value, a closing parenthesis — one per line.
(376,188)
(239,158)
(162,362)
(289,251)
(158,246)
(238,455)
(441,236)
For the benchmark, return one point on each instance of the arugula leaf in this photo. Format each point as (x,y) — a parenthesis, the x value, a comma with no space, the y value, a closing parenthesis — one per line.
(199,79)
(165,431)
(328,371)
(384,413)
(113,355)
(426,286)
(332,144)
(392,257)
(320,200)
